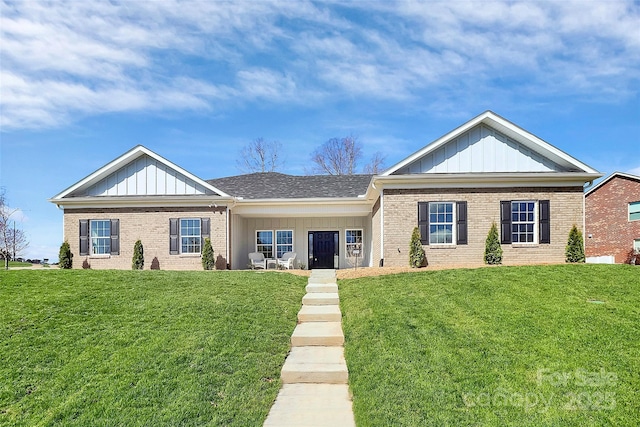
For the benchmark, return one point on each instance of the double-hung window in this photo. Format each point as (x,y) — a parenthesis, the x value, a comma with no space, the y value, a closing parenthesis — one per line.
(442,223)
(99,237)
(274,243)
(186,235)
(284,242)
(525,221)
(353,243)
(634,211)
(100,232)
(190,236)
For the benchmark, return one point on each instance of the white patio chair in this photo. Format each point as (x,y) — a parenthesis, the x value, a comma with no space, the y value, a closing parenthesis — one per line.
(287,260)
(257,260)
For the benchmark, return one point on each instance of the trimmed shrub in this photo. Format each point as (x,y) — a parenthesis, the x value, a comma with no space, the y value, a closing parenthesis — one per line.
(208,262)
(416,251)
(575,246)
(65,257)
(137,263)
(492,248)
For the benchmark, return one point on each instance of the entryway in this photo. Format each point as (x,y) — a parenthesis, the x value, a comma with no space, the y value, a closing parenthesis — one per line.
(323,249)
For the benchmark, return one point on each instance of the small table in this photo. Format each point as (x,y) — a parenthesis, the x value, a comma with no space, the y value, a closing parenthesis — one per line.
(273,262)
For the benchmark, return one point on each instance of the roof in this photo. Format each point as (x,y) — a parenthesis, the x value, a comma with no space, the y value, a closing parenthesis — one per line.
(509,129)
(274,185)
(610,177)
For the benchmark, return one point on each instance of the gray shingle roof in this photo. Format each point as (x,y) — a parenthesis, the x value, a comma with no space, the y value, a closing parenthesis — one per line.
(274,185)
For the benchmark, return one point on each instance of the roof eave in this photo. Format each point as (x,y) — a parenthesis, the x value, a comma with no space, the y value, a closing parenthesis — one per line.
(194,200)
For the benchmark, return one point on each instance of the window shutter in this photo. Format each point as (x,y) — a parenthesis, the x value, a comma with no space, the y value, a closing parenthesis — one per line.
(173,236)
(84,237)
(461,230)
(423,222)
(545,223)
(505,221)
(115,237)
(205,228)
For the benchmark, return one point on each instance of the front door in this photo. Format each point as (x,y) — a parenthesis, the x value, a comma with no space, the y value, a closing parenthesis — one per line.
(323,247)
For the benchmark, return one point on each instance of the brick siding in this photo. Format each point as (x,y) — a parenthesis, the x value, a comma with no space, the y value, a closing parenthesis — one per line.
(607,219)
(151,226)
(483,207)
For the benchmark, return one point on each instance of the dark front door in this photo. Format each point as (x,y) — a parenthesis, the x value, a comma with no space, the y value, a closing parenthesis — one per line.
(323,246)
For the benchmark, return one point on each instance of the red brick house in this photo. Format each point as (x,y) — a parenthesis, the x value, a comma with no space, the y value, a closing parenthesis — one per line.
(612,218)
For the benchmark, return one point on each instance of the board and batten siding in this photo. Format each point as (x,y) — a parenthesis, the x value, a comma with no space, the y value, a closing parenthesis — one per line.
(481,149)
(145,176)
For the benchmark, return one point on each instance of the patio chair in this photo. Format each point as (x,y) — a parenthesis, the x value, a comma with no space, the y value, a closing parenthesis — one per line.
(257,260)
(287,260)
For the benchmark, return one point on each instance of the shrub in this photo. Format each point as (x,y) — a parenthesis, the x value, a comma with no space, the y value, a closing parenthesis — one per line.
(65,257)
(633,257)
(492,248)
(137,263)
(416,251)
(575,246)
(208,262)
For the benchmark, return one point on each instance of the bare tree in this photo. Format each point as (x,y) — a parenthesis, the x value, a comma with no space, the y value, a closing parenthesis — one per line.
(337,156)
(376,164)
(12,239)
(260,156)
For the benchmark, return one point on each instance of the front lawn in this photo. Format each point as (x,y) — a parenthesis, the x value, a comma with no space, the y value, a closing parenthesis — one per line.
(520,346)
(105,348)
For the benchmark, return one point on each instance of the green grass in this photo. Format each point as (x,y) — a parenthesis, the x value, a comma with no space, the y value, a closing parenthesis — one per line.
(520,346)
(17,264)
(105,348)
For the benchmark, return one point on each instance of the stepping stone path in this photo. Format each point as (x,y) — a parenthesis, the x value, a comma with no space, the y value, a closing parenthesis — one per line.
(315,390)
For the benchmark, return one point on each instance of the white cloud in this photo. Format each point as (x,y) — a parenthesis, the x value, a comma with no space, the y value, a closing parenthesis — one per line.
(634,171)
(69,59)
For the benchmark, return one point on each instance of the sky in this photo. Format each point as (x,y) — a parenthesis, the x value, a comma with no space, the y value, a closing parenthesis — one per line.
(82,82)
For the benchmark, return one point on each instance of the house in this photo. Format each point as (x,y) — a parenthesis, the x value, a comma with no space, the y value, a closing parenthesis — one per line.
(612,218)
(487,170)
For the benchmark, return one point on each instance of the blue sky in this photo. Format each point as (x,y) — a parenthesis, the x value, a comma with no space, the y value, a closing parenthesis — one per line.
(82,82)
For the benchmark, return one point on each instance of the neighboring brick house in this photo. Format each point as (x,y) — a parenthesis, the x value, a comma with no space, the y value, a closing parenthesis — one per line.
(486,170)
(612,218)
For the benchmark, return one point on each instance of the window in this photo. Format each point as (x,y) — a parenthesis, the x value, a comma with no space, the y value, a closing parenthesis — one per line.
(190,237)
(636,245)
(353,243)
(186,235)
(284,242)
(99,237)
(523,221)
(634,211)
(440,223)
(100,232)
(264,242)
(270,249)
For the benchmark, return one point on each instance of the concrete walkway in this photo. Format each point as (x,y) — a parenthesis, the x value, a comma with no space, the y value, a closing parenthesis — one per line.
(315,390)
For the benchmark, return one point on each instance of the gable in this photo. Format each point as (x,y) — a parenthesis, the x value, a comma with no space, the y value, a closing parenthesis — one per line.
(481,149)
(139,172)
(488,144)
(145,176)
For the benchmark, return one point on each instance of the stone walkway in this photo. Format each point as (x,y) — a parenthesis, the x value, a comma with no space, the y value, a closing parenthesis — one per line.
(315,390)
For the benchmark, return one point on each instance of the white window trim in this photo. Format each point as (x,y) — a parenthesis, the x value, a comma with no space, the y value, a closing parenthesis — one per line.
(629,211)
(536,224)
(454,237)
(346,244)
(180,236)
(636,245)
(275,241)
(91,253)
(255,240)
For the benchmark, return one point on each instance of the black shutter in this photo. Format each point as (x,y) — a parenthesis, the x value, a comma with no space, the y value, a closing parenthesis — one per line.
(461,216)
(115,237)
(505,221)
(205,228)
(545,224)
(84,237)
(173,236)
(423,222)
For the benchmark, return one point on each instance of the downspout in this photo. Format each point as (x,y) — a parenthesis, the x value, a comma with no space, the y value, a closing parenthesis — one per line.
(381,227)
